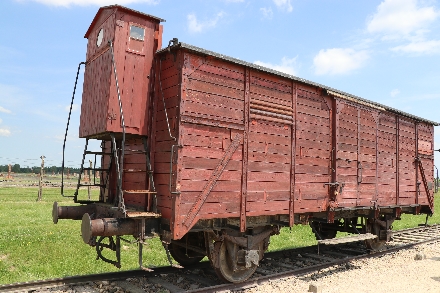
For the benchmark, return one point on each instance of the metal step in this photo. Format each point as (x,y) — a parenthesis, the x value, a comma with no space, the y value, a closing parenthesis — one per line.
(352,238)
(140,214)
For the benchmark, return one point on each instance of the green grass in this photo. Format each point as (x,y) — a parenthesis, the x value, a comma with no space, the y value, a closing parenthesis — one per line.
(32,247)
(300,235)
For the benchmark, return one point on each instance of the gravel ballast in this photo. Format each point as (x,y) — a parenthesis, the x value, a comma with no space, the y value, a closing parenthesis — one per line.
(412,270)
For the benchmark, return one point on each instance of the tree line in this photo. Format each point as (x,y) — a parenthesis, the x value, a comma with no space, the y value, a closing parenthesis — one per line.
(16,168)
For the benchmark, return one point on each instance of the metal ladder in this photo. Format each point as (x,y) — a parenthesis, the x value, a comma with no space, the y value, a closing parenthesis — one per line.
(151,191)
(94,170)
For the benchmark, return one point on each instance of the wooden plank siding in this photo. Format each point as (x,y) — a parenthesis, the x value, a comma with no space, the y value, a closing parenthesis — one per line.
(166,117)
(294,140)
(313,151)
(212,109)
(269,146)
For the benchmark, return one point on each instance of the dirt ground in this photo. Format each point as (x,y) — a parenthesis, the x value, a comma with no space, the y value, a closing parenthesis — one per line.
(414,270)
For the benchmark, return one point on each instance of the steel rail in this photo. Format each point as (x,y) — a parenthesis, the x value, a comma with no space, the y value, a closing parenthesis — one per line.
(77,280)
(302,271)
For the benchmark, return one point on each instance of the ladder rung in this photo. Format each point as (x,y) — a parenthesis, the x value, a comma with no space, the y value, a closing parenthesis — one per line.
(136,151)
(97,153)
(95,169)
(100,185)
(135,170)
(139,191)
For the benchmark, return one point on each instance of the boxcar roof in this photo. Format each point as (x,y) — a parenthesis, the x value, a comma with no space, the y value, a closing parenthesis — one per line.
(275,72)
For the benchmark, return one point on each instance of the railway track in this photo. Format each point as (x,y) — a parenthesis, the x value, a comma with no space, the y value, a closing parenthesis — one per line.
(202,278)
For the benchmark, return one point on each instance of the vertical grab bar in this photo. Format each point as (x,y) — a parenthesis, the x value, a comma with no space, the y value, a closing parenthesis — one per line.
(171,168)
(67,129)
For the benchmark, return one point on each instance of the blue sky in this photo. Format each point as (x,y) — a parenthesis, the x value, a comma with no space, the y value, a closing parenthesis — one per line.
(386,51)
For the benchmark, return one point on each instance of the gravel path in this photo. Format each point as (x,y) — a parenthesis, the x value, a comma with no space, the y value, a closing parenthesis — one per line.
(414,270)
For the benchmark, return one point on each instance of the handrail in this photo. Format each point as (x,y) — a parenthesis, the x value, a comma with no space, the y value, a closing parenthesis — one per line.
(121,197)
(163,100)
(67,128)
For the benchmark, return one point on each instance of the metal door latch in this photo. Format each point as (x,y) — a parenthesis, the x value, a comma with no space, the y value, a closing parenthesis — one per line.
(335,185)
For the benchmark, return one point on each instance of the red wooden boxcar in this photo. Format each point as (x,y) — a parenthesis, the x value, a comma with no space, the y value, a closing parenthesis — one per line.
(214,154)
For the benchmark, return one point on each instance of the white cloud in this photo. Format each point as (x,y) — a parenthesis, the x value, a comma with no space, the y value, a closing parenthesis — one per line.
(394,92)
(67,3)
(4,110)
(284,5)
(5,132)
(400,17)
(339,61)
(287,65)
(196,26)
(75,108)
(420,47)
(267,12)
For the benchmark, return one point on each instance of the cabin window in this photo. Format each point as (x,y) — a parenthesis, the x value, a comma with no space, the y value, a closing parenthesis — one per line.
(136,39)
(136,33)
(100,37)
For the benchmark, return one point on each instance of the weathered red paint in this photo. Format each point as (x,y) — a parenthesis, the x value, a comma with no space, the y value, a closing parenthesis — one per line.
(296,149)
(100,113)
(367,148)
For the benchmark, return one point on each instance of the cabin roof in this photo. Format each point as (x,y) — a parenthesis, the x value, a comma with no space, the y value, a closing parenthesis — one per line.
(120,8)
(330,90)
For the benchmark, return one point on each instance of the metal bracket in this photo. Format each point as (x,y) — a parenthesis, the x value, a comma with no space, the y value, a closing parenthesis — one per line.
(359,172)
(112,246)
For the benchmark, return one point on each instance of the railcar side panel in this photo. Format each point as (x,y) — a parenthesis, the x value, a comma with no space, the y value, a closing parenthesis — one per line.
(313,150)
(387,159)
(347,153)
(166,132)
(367,156)
(211,142)
(269,146)
(406,155)
(425,153)
(282,159)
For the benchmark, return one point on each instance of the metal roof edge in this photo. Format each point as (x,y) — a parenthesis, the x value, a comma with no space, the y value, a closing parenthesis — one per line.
(292,77)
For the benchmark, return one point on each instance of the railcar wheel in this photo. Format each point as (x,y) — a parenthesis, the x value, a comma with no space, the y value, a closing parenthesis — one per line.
(375,244)
(184,256)
(225,271)
(374,227)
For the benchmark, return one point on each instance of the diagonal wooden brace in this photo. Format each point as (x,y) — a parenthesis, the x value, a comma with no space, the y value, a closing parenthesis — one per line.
(425,183)
(212,181)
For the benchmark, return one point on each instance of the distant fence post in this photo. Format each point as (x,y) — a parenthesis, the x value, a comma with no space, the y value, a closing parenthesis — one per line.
(90,178)
(9,172)
(40,185)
